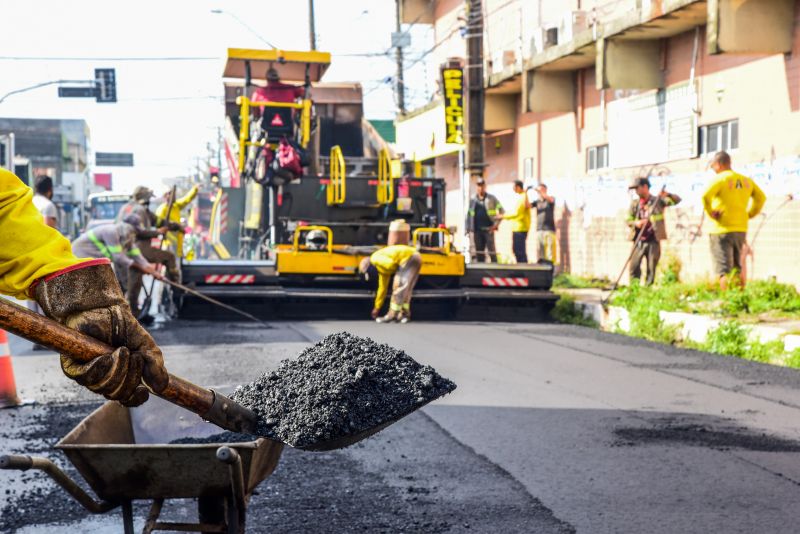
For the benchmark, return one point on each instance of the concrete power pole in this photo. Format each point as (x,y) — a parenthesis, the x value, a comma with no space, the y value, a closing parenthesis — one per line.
(312,26)
(399,83)
(475,95)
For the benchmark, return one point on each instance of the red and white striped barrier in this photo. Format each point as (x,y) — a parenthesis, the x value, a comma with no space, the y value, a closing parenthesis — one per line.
(504,281)
(223,213)
(230,279)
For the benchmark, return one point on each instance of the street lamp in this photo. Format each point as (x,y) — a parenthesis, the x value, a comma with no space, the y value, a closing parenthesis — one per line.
(243,23)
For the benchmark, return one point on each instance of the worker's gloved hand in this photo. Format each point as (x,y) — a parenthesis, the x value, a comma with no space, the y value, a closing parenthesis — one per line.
(375,313)
(175,227)
(88,299)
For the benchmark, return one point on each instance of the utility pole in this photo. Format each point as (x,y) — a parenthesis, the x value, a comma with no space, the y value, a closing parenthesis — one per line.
(399,84)
(474,78)
(312,26)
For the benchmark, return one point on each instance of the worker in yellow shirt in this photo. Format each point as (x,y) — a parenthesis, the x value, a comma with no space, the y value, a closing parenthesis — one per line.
(36,262)
(404,263)
(174,238)
(520,216)
(726,201)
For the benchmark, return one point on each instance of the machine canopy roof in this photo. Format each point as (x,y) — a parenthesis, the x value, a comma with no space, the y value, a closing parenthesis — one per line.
(291,65)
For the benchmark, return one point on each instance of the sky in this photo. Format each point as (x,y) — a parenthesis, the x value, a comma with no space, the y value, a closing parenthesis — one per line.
(168,110)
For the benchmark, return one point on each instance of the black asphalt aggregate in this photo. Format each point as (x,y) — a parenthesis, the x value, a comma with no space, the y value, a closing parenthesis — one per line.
(552,428)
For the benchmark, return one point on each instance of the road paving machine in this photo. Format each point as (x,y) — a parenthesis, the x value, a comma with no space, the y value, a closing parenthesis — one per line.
(318,190)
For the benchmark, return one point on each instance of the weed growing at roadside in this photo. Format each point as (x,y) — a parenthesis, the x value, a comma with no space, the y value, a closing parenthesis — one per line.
(571,281)
(730,338)
(566,311)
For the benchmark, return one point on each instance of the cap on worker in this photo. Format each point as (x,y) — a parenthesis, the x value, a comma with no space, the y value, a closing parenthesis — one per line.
(636,182)
(480,181)
(135,221)
(142,193)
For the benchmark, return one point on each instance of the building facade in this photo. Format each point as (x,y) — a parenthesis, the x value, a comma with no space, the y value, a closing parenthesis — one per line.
(584,96)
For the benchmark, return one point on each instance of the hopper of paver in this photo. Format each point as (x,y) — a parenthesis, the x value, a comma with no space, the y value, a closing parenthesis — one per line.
(125,454)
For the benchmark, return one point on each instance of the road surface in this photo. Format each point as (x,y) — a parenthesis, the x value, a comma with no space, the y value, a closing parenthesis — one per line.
(553,428)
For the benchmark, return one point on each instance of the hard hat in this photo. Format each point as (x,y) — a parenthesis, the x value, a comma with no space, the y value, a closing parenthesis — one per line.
(142,194)
(316,240)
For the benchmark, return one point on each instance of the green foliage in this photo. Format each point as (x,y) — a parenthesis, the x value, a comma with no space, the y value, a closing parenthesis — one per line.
(793,359)
(643,305)
(571,281)
(730,338)
(670,269)
(566,311)
(756,298)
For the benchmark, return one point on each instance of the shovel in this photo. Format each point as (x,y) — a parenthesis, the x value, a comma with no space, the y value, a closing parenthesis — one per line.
(208,404)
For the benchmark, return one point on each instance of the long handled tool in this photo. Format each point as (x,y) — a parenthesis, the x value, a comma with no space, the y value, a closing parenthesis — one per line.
(213,301)
(208,404)
(636,240)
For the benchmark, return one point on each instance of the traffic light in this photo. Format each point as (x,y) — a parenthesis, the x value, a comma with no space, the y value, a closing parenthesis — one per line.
(105,81)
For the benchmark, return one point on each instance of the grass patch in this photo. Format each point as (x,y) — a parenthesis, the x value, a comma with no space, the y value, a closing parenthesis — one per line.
(571,281)
(757,299)
(566,311)
(730,338)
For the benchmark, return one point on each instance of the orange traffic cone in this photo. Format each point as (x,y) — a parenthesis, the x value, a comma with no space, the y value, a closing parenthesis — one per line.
(8,387)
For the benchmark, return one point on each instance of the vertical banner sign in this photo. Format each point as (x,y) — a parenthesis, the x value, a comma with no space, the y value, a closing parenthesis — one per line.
(452,82)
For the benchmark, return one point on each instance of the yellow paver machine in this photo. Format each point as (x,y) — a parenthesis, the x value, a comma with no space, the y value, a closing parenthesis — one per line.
(289,244)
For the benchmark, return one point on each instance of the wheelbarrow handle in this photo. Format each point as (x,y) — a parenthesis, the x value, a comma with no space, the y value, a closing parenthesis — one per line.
(206,403)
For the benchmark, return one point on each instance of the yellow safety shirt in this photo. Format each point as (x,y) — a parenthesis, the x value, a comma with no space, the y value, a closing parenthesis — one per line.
(176,238)
(730,193)
(29,249)
(520,215)
(386,261)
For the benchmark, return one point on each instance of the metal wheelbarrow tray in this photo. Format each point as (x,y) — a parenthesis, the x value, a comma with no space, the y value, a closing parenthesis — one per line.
(124,455)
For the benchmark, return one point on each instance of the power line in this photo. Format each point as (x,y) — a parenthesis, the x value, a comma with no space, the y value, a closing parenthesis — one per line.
(100,58)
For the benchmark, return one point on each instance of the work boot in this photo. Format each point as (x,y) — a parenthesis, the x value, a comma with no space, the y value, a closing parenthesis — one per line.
(405,316)
(388,318)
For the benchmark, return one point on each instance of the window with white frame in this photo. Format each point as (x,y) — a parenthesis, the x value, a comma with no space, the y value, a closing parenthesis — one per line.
(720,136)
(596,157)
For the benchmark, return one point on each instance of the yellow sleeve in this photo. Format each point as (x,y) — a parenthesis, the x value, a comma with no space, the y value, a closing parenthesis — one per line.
(758,200)
(29,249)
(383,288)
(708,196)
(519,211)
(188,197)
(161,213)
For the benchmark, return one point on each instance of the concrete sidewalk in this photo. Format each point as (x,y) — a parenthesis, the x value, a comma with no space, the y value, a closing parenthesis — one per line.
(693,326)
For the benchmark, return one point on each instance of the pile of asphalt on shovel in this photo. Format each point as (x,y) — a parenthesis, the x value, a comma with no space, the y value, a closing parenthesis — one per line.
(342,386)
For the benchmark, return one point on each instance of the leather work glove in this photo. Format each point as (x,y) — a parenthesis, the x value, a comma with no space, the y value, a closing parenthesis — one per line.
(88,299)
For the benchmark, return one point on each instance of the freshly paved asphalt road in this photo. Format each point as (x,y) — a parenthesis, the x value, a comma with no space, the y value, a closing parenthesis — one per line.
(552,429)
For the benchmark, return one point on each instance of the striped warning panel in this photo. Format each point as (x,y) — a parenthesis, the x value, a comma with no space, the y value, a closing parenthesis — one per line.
(230,278)
(504,281)
(223,213)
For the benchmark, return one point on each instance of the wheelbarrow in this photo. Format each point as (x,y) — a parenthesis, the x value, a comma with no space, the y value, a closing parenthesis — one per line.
(125,454)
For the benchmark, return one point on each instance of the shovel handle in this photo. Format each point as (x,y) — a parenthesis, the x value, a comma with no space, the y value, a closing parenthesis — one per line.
(206,403)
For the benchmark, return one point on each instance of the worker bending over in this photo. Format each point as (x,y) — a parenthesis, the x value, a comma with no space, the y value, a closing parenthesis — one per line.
(36,262)
(174,238)
(400,260)
(117,243)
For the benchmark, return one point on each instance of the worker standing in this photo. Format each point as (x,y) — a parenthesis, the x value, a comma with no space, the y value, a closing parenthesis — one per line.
(43,200)
(726,201)
(175,238)
(646,221)
(545,226)
(276,90)
(521,219)
(139,206)
(485,212)
(36,263)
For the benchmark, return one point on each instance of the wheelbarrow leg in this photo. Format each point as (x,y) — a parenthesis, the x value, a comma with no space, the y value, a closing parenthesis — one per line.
(152,517)
(237,506)
(127,516)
